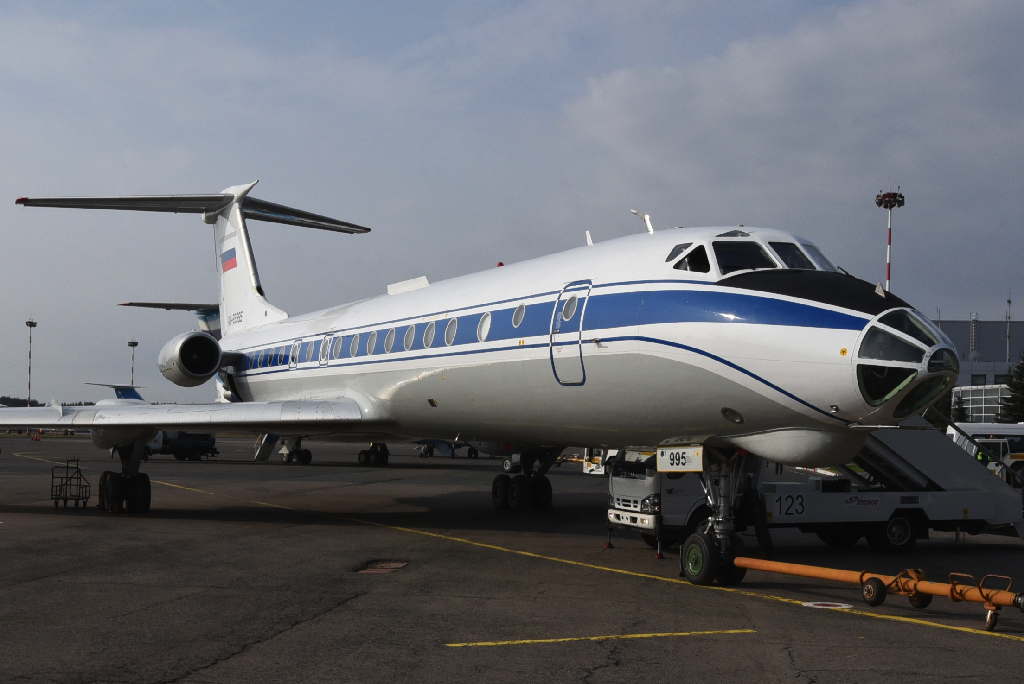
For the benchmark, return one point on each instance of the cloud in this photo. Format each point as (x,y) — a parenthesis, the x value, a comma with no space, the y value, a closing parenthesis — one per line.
(800,130)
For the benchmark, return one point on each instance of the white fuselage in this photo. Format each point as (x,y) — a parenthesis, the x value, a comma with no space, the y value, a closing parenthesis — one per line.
(646,355)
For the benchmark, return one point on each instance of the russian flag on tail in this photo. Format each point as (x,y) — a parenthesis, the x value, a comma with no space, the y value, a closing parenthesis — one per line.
(228,260)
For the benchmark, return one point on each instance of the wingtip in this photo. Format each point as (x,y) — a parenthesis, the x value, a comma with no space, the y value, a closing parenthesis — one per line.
(21,200)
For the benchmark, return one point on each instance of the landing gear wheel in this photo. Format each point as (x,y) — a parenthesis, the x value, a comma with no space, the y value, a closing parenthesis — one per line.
(542,492)
(873,592)
(840,536)
(103,490)
(920,601)
(304,457)
(363,457)
(115,492)
(896,535)
(698,558)
(141,494)
(499,491)
(728,574)
(519,493)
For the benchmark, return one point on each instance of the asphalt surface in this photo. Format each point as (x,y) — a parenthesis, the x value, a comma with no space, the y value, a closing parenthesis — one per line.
(248,572)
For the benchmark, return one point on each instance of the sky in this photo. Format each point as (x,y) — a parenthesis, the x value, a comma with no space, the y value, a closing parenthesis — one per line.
(467,133)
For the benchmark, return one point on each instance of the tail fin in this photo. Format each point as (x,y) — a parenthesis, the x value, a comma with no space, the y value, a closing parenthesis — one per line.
(242,301)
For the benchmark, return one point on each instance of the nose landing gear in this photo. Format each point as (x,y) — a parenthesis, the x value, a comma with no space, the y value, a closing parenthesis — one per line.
(729,483)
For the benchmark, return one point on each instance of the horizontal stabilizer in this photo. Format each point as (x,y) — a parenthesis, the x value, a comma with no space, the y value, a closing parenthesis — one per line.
(177,204)
(252,208)
(174,306)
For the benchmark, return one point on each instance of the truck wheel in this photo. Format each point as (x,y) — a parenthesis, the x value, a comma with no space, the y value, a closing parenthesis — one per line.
(519,493)
(499,491)
(363,457)
(896,535)
(699,559)
(840,536)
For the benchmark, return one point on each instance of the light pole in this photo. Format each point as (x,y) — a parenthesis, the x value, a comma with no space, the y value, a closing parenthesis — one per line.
(31,324)
(889,201)
(133,344)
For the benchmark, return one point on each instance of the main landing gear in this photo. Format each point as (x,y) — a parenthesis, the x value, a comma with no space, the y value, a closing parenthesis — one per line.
(129,489)
(376,455)
(528,487)
(730,484)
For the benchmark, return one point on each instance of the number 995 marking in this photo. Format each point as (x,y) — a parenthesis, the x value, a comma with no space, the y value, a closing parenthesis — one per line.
(681,459)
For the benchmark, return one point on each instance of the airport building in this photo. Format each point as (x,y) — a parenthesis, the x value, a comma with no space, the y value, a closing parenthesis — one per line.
(987,351)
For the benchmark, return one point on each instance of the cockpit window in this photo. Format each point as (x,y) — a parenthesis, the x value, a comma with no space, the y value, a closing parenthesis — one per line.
(792,256)
(820,259)
(677,250)
(909,326)
(695,262)
(884,346)
(741,256)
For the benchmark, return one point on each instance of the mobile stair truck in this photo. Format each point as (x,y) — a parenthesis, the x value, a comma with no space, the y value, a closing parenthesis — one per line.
(905,482)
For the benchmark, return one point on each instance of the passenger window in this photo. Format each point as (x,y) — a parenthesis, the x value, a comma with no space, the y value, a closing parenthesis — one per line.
(695,262)
(353,348)
(792,256)
(677,250)
(336,347)
(741,256)
(820,259)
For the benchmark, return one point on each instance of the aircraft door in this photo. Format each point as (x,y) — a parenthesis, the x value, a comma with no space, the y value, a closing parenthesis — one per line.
(566,350)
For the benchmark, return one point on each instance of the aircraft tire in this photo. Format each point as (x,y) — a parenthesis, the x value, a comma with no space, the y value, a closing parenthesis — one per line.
(699,559)
(499,491)
(519,493)
(140,495)
(896,535)
(102,490)
(304,457)
(542,492)
(728,574)
(115,492)
(509,467)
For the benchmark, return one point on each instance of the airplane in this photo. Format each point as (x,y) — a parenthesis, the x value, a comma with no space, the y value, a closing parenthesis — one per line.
(747,342)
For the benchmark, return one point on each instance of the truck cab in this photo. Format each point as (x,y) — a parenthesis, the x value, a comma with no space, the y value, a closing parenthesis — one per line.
(665,507)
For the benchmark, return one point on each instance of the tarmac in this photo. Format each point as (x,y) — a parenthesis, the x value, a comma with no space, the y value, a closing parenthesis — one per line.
(251,572)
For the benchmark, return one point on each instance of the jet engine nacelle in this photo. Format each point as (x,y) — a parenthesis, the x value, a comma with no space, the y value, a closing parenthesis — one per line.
(190,359)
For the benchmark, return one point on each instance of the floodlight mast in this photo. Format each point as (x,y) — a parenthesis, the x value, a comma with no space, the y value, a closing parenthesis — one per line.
(31,324)
(889,201)
(133,344)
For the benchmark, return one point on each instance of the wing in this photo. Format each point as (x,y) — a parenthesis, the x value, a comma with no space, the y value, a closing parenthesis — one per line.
(286,417)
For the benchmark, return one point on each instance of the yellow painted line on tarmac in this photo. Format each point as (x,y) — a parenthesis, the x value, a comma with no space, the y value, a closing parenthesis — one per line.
(36,458)
(168,484)
(600,638)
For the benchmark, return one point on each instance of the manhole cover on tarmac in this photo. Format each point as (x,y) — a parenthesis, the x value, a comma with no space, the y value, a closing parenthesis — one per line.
(379,567)
(827,604)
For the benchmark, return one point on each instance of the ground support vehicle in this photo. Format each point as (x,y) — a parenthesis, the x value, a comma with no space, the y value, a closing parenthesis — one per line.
(905,482)
(68,484)
(191,446)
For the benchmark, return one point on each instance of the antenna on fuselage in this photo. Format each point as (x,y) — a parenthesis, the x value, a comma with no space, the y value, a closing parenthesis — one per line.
(646,218)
